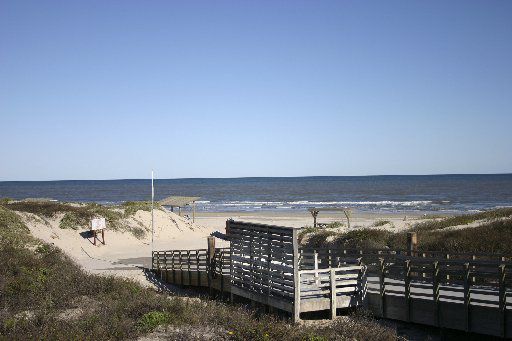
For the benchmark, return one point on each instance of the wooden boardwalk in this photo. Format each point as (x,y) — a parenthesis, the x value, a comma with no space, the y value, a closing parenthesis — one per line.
(264,264)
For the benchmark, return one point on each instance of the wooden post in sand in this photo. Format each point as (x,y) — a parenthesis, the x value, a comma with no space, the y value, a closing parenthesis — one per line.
(412,243)
(314,214)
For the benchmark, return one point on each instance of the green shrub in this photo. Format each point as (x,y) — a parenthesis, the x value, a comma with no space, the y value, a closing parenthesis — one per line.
(5,201)
(131,207)
(380,223)
(463,219)
(305,231)
(319,238)
(12,230)
(335,224)
(72,220)
(153,319)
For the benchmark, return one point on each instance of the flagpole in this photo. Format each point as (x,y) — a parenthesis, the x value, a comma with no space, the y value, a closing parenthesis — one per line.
(152,214)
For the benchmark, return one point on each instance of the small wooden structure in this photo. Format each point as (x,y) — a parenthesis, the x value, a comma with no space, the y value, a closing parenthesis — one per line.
(179,202)
(315,210)
(98,224)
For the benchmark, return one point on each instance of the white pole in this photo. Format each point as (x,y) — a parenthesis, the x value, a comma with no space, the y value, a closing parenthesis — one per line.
(152,215)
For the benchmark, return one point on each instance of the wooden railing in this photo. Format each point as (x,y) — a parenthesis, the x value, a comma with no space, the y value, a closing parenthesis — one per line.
(472,292)
(319,285)
(192,267)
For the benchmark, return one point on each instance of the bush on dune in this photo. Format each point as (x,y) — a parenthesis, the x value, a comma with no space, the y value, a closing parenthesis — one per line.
(131,207)
(463,219)
(492,236)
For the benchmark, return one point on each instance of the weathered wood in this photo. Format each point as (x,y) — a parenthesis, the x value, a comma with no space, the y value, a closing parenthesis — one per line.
(502,305)
(333,293)
(466,296)
(412,243)
(435,291)
(296,278)
(407,289)
(382,288)
(210,262)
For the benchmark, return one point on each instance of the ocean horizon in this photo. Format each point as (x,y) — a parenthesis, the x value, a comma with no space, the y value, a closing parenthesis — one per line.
(392,193)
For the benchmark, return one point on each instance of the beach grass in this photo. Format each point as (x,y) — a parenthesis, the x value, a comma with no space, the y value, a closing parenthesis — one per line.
(131,207)
(493,234)
(381,222)
(78,215)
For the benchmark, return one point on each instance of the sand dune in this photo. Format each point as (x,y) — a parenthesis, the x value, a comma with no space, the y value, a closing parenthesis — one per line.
(123,254)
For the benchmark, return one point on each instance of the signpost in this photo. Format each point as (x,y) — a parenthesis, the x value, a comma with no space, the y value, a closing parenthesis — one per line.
(98,224)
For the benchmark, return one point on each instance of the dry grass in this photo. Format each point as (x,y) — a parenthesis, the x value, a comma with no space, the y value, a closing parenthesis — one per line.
(493,235)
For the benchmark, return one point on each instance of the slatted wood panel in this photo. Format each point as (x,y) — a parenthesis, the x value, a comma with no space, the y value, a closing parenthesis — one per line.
(332,288)
(262,259)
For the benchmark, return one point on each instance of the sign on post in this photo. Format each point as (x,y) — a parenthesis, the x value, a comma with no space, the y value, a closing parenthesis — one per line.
(98,224)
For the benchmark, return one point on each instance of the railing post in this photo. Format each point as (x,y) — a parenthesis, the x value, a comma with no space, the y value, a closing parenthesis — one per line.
(473,258)
(221,264)
(382,287)
(164,277)
(435,291)
(407,293)
(502,301)
(447,267)
(173,265)
(315,266)
(210,256)
(296,277)
(188,268)
(158,261)
(333,293)
(467,295)
(412,243)
(152,260)
(198,271)
(361,287)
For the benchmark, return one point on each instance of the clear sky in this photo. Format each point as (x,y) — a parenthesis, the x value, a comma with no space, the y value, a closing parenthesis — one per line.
(111,89)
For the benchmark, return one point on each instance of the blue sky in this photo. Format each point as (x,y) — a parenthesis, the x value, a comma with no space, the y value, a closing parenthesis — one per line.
(112,89)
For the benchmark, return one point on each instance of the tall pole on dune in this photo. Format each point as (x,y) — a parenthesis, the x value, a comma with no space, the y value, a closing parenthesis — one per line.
(152,214)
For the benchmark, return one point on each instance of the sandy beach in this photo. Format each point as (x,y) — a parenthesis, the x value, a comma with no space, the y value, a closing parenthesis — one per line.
(125,255)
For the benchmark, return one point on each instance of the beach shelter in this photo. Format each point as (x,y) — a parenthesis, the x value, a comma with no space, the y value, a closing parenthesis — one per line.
(179,202)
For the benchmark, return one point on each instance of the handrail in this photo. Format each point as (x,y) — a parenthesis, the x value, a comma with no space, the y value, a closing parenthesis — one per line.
(346,268)
(400,251)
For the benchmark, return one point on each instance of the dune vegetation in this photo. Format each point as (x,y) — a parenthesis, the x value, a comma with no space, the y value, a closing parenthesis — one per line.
(76,215)
(491,234)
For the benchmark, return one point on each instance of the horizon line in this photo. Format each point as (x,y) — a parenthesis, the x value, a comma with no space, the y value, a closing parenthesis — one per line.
(263,177)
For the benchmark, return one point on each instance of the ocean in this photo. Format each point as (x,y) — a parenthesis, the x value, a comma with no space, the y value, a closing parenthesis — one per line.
(428,193)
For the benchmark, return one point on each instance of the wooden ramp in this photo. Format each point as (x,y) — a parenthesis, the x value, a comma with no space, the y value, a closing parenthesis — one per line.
(264,264)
